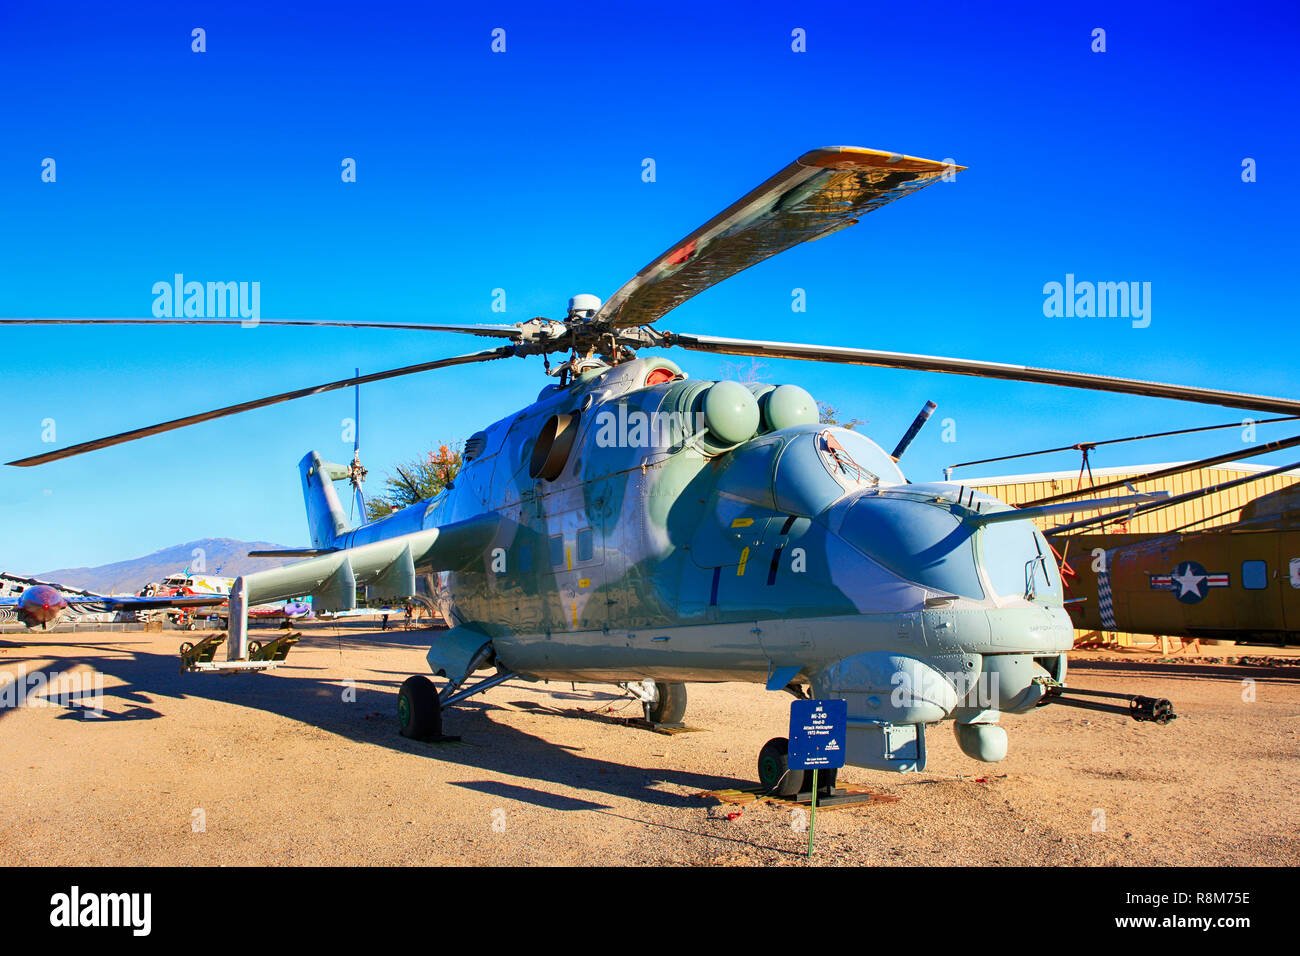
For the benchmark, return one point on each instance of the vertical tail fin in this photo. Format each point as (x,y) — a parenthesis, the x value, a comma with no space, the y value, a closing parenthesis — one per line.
(325,517)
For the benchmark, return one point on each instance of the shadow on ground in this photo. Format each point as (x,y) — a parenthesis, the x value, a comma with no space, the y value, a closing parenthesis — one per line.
(150,680)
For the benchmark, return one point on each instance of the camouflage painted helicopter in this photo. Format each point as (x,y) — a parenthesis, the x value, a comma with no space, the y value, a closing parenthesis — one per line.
(636,526)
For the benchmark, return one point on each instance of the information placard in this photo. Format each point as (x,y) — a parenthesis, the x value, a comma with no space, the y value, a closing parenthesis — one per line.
(818,734)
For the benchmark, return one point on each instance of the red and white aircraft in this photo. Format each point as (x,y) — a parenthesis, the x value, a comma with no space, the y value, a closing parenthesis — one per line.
(41,604)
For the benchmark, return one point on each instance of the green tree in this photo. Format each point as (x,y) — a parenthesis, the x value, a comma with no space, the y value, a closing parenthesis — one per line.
(415,480)
(750,374)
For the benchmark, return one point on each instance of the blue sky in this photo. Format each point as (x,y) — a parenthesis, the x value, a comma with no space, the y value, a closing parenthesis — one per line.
(522,171)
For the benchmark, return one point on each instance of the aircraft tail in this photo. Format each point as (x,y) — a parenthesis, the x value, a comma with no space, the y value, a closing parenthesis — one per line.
(325,517)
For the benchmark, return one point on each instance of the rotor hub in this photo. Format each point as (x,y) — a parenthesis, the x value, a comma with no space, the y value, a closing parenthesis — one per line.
(584,306)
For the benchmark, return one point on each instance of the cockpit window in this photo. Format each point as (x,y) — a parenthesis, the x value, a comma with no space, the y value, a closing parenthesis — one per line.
(1018,560)
(854,460)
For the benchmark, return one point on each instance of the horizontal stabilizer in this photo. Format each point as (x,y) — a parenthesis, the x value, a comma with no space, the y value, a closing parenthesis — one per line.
(292,553)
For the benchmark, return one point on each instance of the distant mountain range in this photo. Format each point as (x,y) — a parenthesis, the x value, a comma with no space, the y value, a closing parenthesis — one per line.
(222,557)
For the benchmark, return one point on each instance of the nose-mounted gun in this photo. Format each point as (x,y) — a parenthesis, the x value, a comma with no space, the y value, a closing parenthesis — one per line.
(1157,710)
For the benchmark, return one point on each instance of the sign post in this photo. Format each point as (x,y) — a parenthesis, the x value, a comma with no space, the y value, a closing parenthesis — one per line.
(818,735)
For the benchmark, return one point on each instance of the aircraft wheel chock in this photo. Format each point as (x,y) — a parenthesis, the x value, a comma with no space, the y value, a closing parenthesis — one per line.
(418,710)
(774,771)
(670,708)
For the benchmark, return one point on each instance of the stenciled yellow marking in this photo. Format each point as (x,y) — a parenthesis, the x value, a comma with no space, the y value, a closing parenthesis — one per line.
(742,522)
(584,582)
(574,606)
(568,558)
(744,559)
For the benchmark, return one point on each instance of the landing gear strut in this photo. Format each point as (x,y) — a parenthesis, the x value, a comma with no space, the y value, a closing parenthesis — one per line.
(775,775)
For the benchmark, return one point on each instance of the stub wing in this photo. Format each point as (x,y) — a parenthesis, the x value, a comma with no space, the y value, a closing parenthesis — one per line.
(387,567)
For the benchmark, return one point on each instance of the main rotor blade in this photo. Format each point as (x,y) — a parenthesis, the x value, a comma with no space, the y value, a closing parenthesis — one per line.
(81,449)
(822,191)
(496,331)
(956,366)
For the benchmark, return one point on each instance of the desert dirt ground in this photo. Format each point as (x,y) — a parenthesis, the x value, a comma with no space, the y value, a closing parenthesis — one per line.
(305,766)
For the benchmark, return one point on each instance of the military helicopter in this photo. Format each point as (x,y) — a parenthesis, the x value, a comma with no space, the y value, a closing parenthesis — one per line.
(1238,582)
(639,527)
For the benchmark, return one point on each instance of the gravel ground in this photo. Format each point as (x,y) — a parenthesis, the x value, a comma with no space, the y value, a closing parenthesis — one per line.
(300,766)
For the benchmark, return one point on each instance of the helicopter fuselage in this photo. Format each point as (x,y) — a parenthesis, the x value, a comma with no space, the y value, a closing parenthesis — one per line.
(656,549)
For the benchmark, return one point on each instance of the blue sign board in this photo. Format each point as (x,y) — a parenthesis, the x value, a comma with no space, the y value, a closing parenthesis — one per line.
(818,734)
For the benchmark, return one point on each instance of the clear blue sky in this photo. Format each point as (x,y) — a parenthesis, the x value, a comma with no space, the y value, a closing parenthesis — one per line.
(523,171)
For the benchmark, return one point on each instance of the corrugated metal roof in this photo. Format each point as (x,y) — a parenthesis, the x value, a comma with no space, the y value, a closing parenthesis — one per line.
(1112,472)
(1211,511)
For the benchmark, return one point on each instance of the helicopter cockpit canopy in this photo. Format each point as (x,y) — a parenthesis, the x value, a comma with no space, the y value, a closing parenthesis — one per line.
(802,470)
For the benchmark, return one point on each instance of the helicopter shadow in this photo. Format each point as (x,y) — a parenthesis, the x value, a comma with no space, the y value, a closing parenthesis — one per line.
(148,680)
(500,748)
(539,798)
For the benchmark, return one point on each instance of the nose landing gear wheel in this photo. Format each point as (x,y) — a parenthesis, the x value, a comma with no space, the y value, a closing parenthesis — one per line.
(774,771)
(418,710)
(670,705)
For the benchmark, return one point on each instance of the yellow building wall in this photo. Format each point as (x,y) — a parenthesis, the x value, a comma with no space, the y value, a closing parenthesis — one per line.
(1231,501)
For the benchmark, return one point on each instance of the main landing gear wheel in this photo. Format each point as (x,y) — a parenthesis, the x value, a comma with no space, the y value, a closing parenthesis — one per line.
(669,706)
(775,775)
(418,709)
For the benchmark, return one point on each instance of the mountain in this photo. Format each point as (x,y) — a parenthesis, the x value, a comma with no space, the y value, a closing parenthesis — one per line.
(221,557)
